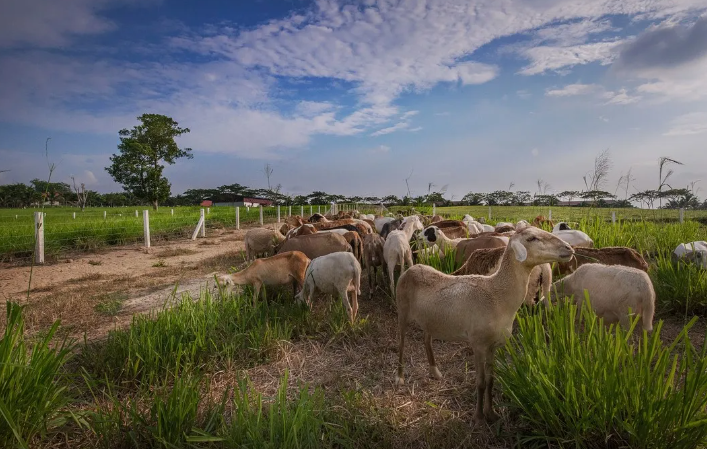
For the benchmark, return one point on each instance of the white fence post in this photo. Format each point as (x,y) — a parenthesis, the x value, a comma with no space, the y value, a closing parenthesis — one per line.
(39,237)
(200,226)
(310,210)
(319,209)
(682,215)
(549,214)
(238,217)
(171,211)
(434,209)
(278,213)
(301,211)
(136,212)
(613,217)
(74,214)
(203,224)
(489,213)
(208,210)
(104,215)
(289,211)
(146,226)
(261,215)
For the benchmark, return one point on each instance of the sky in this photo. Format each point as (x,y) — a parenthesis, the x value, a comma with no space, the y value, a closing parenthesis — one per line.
(354,97)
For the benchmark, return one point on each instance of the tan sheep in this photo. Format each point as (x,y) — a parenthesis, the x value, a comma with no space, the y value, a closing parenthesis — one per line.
(373,258)
(610,255)
(316,245)
(261,241)
(479,310)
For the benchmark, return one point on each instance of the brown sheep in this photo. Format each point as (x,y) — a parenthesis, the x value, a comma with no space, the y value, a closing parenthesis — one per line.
(436,219)
(466,247)
(261,241)
(362,227)
(373,258)
(610,255)
(486,262)
(294,221)
(285,228)
(541,222)
(316,245)
(356,244)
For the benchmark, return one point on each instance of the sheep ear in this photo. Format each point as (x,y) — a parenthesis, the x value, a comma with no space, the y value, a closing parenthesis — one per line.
(519,250)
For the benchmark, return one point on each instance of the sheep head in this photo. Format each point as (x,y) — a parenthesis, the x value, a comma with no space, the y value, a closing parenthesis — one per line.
(533,246)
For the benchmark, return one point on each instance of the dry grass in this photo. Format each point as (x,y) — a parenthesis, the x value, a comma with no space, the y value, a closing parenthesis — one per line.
(174,252)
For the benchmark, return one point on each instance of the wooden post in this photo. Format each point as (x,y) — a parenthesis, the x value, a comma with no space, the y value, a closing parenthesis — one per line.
(682,215)
(38,237)
(146,226)
(261,215)
(238,217)
(203,224)
(613,217)
(278,213)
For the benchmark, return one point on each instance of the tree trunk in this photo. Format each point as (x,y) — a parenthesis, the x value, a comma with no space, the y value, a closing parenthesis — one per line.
(155,205)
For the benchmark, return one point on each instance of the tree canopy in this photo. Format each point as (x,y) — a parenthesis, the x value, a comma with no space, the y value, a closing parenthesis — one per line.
(143,151)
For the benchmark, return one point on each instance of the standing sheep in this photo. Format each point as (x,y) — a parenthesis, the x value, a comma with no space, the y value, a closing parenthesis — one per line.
(397,251)
(613,289)
(479,310)
(261,241)
(372,258)
(334,274)
(610,255)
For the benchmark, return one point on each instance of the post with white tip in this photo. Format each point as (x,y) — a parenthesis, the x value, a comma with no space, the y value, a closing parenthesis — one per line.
(172,212)
(238,217)
(104,215)
(613,217)
(301,211)
(434,209)
(278,213)
(261,215)
(146,226)
(682,215)
(289,211)
(74,215)
(38,237)
(203,223)
(136,212)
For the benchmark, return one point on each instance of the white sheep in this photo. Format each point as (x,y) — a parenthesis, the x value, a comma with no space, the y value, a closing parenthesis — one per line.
(432,235)
(474,226)
(695,252)
(397,251)
(476,309)
(334,274)
(380,221)
(613,289)
(572,236)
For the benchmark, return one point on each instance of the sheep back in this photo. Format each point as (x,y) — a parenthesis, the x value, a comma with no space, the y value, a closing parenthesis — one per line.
(317,245)
(466,247)
(610,255)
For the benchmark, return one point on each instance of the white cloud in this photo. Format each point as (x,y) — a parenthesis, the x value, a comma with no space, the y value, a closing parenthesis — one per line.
(603,119)
(524,94)
(621,97)
(416,129)
(313,108)
(550,58)
(409,114)
(381,149)
(391,129)
(573,89)
(688,124)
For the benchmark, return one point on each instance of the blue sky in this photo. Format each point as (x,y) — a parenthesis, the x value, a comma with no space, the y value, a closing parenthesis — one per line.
(352,97)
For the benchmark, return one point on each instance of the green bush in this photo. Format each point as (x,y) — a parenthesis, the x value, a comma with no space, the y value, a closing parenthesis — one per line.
(32,395)
(587,385)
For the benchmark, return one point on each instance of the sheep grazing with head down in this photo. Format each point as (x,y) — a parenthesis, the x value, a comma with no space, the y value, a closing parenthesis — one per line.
(479,310)
(280,269)
(572,236)
(334,274)
(693,252)
(613,290)
(396,249)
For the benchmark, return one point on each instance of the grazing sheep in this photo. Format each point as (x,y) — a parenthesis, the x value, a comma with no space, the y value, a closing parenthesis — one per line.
(436,219)
(610,255)
(504,227)
(261,241)
(279,269)
(318,218)
(474,226)
(397,251)
(359,226)
(574,237)
(356,243)
(294,221)
(316,245)
(334,274)
(372,258)
(486,262)
(693,252)
(467,247)
(613,289)
(380,221)
(432,235)
(540,221)
(479,310)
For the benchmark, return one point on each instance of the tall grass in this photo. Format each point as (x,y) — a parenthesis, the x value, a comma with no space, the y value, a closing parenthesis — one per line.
(446,263)
(32,393)
(680,288)
(587,385)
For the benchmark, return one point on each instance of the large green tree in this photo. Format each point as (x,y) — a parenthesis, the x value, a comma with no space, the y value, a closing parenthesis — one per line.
(143,151)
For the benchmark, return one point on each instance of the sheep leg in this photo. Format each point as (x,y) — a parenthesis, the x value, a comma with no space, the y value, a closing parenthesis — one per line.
(391,274)
(434,372)
(345,300)
(256,292)
(491,416)
(408,259)
(480,364)
(354,304)
(371,274)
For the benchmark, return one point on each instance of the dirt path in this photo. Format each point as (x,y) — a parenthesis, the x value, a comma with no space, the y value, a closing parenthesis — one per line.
(94,292)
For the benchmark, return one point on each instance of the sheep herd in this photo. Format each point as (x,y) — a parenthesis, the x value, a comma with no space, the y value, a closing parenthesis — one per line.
(502,267)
